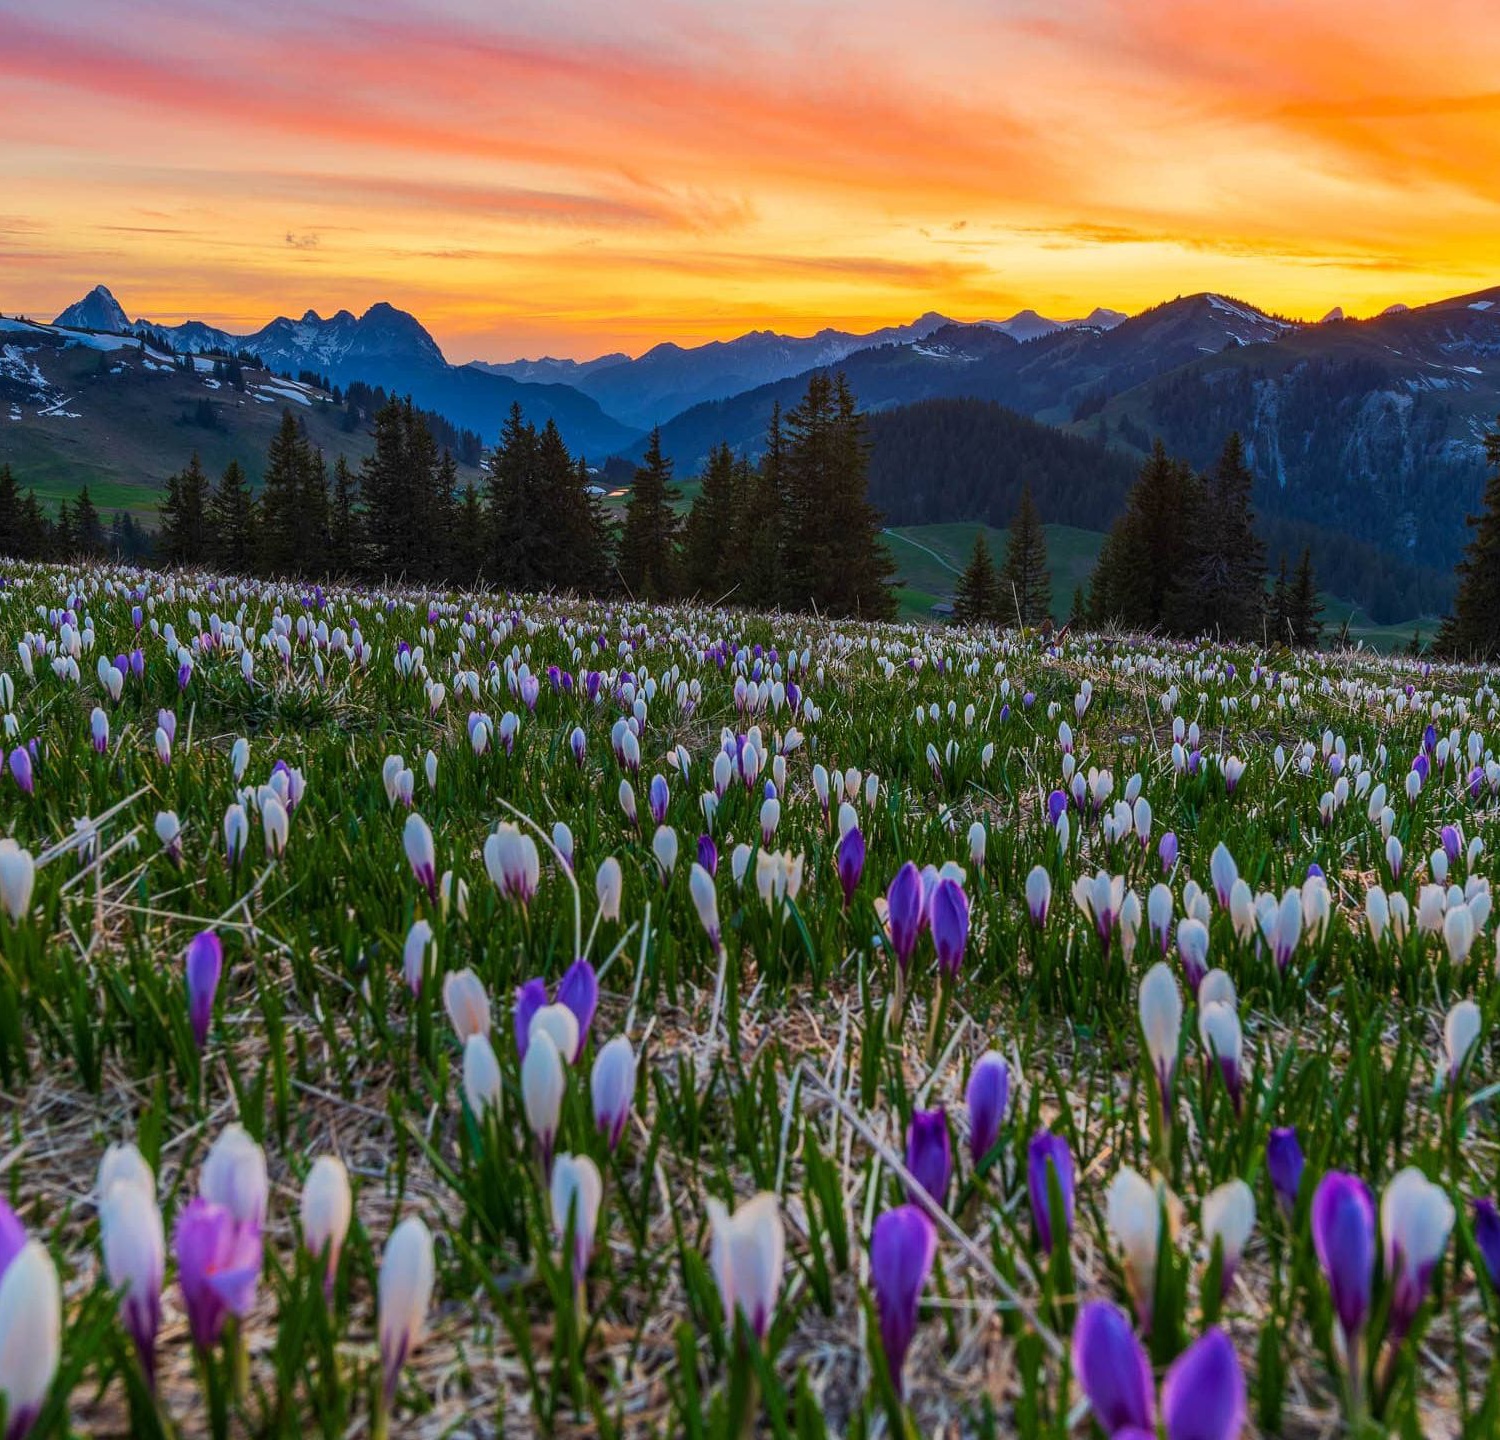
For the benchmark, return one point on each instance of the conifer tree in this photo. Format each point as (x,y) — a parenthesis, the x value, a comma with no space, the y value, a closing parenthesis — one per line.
(1472,631)
(311,548)
(518,537)
(760,521)
(184,516)
(1025,585)
(62,546)
(1078,615)
(976,597)
(88,529)
(1304,610)
(36,536)
(282,488)
(232,522)
(1280,609)
(344,535)
(707,533)
(1226,561)
(648,543)
(470,548)
(10,514)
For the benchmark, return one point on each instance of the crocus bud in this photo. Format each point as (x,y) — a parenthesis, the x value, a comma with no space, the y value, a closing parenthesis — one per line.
(327,1206)
(234,1176)
(1203,1395)
(1192,949)
(948,914)
(1223,871)
(1038,894)
(421,853)
(1284,1162)
(406,1276)
(17,879)
(1343,1227)
(747,1254)
(903,1243)
(1460,1035)
(1113,1371)
(218,1267)
(205,964)
(482,1081)
(986,1097)
(1049,1153)
(1223,1043)
(978,839)
(543,1083)
(1415,1218)
(1133,1214)
(20,769)
(135,1257)
(414,953)
(30,1335)
(851,862)
(904,904)
(1229,1218)
(1487,1238)
(608,884)
(576,1193)
(467,1004)
(705,901)
(236,832)
(1160,1005)
(929,1154)
(612,1085)
(578,990)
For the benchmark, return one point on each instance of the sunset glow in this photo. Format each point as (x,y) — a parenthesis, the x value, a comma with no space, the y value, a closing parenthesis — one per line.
(572,178)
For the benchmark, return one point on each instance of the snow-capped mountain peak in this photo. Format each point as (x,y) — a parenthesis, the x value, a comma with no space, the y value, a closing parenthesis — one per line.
(98,310)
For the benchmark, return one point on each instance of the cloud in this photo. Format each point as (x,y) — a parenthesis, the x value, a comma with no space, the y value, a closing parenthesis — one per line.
(308,241)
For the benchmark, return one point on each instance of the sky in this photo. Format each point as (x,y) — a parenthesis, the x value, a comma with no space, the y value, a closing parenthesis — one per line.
(553,177)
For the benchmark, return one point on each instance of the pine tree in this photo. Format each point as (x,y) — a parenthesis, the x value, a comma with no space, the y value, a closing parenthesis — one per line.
(1025,585)
(1226,561)
(10,514)
(62,541)
(88,529)
(469,543)
(36,534)
(758,525)
(1078,615)
(282,488)
(517,521)
(648,543)
(707,533)
(184,516)
(976,597)
(231,522)
(311,548)
(1140,578)
(344,535)
(863,570)
(1304,611)
(1472,631)
(1280,609)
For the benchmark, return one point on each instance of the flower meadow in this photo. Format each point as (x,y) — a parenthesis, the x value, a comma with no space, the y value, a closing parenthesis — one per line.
(432,1014)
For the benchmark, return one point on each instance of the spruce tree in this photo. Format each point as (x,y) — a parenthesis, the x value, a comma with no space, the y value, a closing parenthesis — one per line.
(707,533)
(311,548)
(1025,585)
(517,520)
(648,543)
(36,536)
(344,536)
(1226,561)
(1140,579)
(863,570)
(282,488)
(1303,606)
(10,514)
(231,522)
(470,548)
(759,523)
(976,597)
(88,529)
(184,516)
(1472,631)
(1079,614)
(1280,609)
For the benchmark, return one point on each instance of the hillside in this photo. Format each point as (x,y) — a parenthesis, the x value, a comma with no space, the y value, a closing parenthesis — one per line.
(96,410)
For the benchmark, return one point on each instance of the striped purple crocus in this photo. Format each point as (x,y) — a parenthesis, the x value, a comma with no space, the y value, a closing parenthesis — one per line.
(903,1243)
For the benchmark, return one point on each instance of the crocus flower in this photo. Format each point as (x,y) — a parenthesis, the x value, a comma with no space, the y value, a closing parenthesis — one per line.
(708,854)
(421,853)
(134,1248)
(205,964)
(1284,1162)
(99,730)
(1160,1006)
(577,1191)
(467,1004)
(1223,871)
(1167,852)
(327,1207)
(1113,1370)
(1229,1218)
(578,991)
(543,1082)
(1415,1218)
(904,910)
(747,1253)
(1223,1043)
(1133,1213)
(851,862)
(987,1094)
(414,953)
(1487,1237)
(1048,1152)
(20,769)
(1192,949)
(903,1243)
(1038,894)
(1203,1395)
(929,1153)
(218,1267)
(948,914)
(705,897)
(612,1086)
(406,1276)
(608,884)
(30,1334)
(1461,1030)
(234,1176)
(482,1079)
(1343,1227)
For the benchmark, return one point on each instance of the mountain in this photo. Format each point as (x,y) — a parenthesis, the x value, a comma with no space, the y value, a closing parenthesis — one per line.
(671,378)
(98,310)
(107,411)
(386,347)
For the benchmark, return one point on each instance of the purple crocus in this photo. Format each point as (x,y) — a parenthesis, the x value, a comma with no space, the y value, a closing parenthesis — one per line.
(1343,1226)
(658,797)
(851,862)
(1048,1150)
(1203,1396)
(20,768)
(1487,1237)
(1057,803)
(708,854)
(904,912)
(1284,1162)
(1167,851)
(218,1267)
(578,990)
(12,1236)
(1453,843)
(948,913)
(987,1095)
(929,1152)
(903,1243)
(205,964)
(1113,1370)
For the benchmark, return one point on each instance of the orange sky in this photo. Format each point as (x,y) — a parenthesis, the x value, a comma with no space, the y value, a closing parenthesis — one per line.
(533,176)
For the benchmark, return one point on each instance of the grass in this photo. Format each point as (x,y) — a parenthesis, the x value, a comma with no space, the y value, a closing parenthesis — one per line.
(785,1038)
